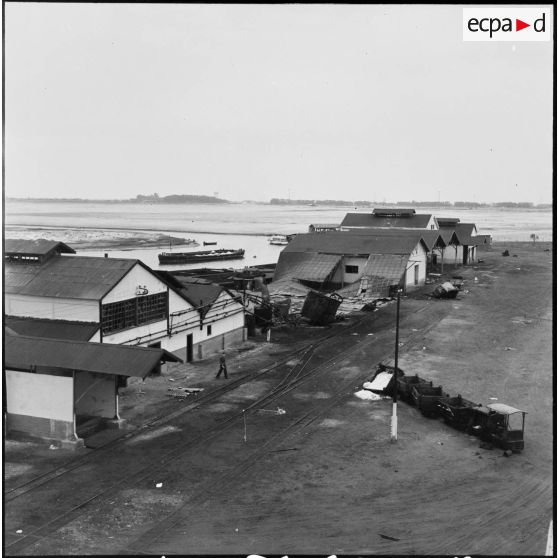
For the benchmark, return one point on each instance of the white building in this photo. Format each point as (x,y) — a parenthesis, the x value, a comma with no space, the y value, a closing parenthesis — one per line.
(374,263)
(53,386)
(130,303)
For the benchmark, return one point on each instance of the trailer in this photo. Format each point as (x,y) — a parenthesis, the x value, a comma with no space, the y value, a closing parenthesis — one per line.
(456,411)
(425,398)
(405,385)
(499,424)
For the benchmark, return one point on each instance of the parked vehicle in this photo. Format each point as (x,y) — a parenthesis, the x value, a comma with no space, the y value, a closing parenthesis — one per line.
(456,411)
(405,385)
(425,398)
(499,424)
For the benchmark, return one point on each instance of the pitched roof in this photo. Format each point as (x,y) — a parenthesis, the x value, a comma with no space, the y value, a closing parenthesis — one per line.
(40,246)
(465,233)
(447,221)
(22,352)
(419,221)
(199,292)
(79,277)
(347,243)
(449,236)
(393,211)
(306,267)
(51,329)
(431,237)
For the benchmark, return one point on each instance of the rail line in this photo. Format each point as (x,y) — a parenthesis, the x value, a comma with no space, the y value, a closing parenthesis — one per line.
(75,463)
(292,380)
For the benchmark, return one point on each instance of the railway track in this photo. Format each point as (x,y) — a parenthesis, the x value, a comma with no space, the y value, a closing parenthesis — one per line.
(20,490)
(296,376)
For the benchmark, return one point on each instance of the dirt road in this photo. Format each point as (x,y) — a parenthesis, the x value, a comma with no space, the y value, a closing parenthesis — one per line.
(323,477)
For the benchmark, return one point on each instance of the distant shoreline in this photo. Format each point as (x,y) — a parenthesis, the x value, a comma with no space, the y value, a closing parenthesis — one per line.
(340,204)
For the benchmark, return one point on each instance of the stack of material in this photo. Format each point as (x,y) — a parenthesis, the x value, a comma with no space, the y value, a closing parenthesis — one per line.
(445,290)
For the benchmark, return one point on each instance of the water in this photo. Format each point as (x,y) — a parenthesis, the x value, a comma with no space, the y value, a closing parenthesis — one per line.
(233,226)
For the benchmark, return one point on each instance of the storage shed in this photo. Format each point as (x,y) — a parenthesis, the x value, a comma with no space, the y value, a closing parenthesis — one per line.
(52,385)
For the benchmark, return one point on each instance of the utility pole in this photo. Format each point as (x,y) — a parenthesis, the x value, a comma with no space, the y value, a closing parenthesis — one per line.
(394,408)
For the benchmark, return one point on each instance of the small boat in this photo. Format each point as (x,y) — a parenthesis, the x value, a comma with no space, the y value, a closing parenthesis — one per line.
(209,243)
(279,240)
(199,256)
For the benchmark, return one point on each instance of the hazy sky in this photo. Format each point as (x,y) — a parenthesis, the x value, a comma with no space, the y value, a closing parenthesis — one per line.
(362,102)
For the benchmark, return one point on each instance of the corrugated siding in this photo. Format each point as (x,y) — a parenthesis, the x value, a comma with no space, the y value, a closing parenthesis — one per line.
(382,271)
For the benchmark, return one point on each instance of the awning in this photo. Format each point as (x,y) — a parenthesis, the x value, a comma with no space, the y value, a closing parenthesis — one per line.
(26,353)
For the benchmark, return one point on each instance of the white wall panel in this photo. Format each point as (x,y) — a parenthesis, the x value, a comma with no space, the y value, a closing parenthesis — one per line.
(137,276)
(40,395)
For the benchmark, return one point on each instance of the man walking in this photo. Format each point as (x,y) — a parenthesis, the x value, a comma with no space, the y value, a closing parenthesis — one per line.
(222,367)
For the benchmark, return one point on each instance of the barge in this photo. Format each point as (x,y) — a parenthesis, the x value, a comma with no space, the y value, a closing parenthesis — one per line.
(200,256)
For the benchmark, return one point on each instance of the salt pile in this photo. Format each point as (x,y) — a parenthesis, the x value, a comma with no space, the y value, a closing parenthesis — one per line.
(367,395)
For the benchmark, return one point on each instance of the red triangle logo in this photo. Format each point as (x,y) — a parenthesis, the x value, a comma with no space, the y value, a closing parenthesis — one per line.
(519,25)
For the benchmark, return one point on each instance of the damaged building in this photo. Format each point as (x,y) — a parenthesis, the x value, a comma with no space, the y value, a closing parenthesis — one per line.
(370,264)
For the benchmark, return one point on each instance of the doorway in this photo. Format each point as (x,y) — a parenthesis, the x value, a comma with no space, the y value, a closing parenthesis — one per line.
(189,347)
(416,274)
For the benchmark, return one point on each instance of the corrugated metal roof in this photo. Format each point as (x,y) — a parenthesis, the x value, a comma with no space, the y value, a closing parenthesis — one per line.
(465,233)
(381,272)
(432,237)
(306,266)
(419,221)
(51,329)
(79,277)
(101,358)
(349,243)
(449,236)
(447,221)
(382,211)
(40,246)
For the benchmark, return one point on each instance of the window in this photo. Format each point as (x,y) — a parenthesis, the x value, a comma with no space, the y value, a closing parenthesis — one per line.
(208,330)
(125,314)
(431,226)
(351,269)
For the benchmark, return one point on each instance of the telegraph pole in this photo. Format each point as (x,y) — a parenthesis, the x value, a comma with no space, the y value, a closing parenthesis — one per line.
(394,409)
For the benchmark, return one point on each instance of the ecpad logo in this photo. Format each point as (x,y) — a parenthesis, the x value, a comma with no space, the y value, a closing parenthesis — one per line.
(506,24)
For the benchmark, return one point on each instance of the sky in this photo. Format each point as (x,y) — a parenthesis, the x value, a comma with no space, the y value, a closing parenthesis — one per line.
(252,102)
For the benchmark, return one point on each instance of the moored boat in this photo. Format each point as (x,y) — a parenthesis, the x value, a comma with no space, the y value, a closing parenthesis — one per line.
(200,256)
(279,240)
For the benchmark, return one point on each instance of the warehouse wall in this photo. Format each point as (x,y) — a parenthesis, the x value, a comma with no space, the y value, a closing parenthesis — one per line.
(40,405)
(137,276)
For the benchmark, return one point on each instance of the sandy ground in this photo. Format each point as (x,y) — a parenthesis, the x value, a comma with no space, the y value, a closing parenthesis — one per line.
(322,477)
